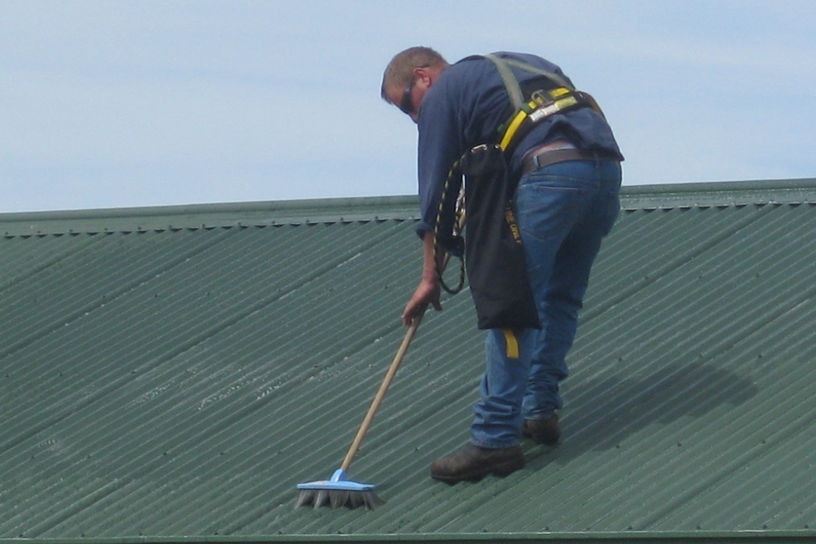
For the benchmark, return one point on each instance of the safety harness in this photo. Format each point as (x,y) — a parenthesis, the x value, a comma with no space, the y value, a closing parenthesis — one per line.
(551,94)
(557,96)
(500,290)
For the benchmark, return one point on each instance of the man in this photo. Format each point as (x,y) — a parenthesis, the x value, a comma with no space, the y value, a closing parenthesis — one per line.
(567,169)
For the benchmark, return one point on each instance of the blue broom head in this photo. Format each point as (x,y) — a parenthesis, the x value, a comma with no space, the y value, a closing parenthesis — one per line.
(338,482)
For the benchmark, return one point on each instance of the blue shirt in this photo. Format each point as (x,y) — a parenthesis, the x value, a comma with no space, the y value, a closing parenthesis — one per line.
(464,108)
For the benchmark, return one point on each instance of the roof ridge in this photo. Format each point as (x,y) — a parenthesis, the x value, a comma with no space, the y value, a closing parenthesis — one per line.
(719,194)
(209,216)
(363,209)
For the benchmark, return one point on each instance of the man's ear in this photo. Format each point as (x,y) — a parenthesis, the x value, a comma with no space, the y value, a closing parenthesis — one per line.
(424,75)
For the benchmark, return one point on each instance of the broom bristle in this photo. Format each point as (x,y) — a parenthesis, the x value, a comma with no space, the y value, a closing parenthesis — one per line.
(305,497)
(322,498)
(336,492)
(337,498)
(372,500)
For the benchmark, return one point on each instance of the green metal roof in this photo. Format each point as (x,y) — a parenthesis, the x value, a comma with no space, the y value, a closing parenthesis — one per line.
(170,374)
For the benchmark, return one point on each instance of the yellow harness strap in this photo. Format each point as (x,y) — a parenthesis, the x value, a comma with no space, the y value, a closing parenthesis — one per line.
(538,108)
(511,345)
(542,103)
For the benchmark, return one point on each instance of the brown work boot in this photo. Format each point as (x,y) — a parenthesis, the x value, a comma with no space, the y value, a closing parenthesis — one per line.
(473,463)
(544,431)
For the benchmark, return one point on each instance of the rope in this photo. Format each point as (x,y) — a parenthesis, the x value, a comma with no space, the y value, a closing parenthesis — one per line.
(452,183)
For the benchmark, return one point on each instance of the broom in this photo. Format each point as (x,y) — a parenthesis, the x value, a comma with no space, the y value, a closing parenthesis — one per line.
(339,490)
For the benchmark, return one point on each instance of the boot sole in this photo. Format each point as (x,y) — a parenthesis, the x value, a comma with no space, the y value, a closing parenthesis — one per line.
(501,470)
(548,440)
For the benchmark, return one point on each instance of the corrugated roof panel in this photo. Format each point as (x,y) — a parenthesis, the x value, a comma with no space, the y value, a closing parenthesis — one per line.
(180,382)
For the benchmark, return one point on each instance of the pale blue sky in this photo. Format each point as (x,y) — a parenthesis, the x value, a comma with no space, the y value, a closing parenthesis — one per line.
(108,104)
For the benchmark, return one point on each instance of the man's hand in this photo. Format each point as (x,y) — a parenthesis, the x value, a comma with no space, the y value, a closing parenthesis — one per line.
(429,289)
(427,292)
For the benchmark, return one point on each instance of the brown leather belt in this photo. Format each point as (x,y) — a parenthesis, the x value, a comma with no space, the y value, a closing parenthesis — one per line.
(534,160)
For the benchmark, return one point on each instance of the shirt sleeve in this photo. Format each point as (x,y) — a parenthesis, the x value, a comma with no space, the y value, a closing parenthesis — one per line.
(440,144)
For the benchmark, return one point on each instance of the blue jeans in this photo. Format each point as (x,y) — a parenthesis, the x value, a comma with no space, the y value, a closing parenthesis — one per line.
(564,210)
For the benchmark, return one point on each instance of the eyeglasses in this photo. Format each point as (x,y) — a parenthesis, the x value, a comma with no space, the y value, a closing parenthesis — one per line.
(406,106)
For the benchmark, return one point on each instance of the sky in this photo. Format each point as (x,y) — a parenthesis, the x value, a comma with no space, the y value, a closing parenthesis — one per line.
(131,103)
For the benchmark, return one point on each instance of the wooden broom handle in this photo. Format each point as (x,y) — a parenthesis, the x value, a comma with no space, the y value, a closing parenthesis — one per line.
(378,398)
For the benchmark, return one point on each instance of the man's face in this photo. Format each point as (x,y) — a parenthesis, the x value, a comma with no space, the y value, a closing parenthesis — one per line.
(409,98)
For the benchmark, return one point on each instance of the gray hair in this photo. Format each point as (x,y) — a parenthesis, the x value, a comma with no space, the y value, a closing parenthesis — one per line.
(400,70)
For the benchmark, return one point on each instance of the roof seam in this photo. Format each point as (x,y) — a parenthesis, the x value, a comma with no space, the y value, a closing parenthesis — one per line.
(672,265)
(113,296)
(767,319)
(48,263)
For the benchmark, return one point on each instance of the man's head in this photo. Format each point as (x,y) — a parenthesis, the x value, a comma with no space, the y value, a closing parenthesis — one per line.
(408,77)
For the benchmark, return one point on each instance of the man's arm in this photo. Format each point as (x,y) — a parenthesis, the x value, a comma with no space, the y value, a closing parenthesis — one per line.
(428,290)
